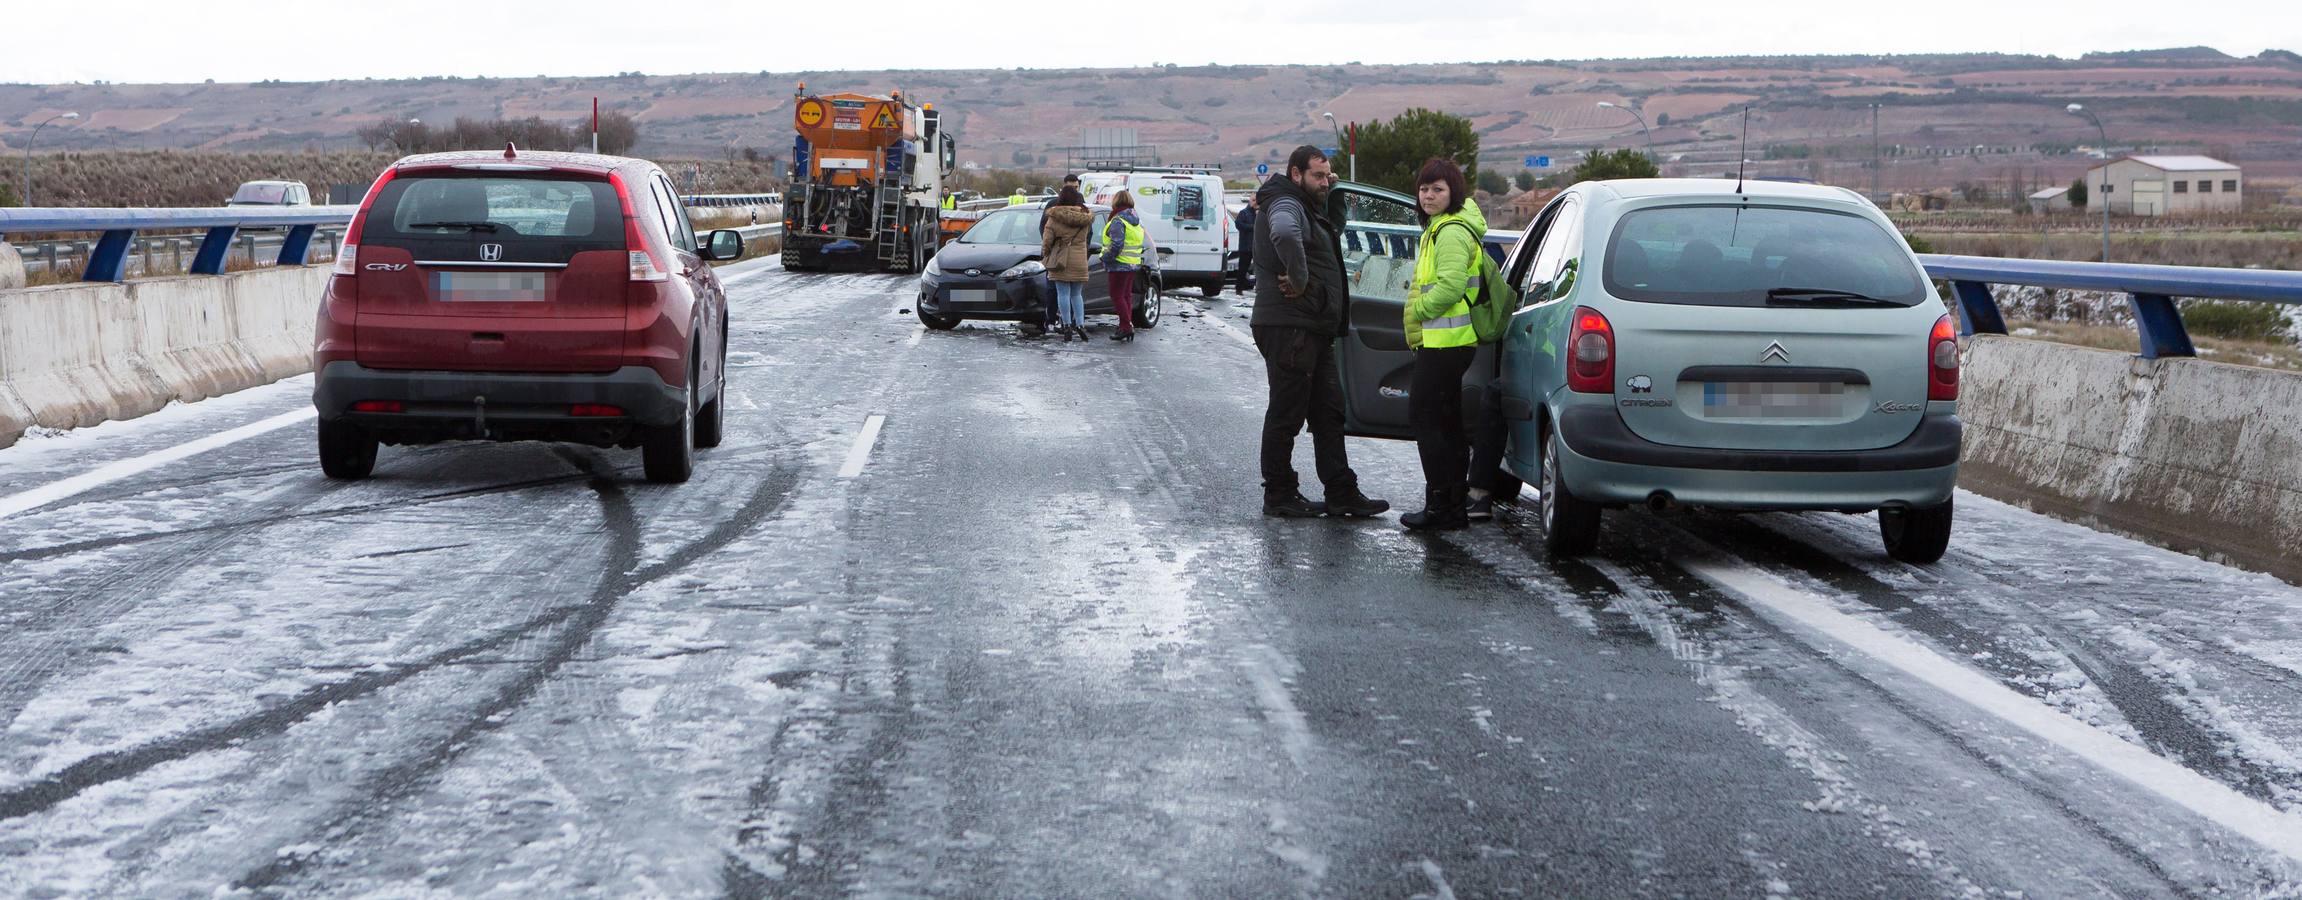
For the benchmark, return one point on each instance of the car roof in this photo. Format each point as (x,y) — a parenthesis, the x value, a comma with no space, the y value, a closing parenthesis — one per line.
(1643,188)
(594,163)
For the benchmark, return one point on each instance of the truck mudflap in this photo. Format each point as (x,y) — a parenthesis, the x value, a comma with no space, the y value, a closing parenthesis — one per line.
(826,254)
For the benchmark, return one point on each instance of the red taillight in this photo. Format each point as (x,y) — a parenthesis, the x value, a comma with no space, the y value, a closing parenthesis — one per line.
(380,406)
(1942,360)
(348,259)
(644,265)
(1591,353)
(594,409)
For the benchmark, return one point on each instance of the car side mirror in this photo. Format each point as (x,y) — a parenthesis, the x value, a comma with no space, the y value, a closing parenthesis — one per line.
(724,244)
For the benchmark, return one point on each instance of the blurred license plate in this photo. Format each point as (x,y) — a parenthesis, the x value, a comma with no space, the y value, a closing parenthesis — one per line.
(974,295)
(1773,399)
(489,287)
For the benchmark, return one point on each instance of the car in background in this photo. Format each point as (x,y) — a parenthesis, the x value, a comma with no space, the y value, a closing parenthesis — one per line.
(1183,217)
(271,193)
(994,271)
(1691,343)
(523,296)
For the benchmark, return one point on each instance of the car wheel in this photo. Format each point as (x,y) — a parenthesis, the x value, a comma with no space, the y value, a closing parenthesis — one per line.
(1919,535)
(1211,289)
(668,452)
(710,419)
(931,320)
(1147,307)
(1570,523)
(347,451)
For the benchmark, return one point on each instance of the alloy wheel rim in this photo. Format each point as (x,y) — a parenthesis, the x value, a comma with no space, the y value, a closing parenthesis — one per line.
(1550,482)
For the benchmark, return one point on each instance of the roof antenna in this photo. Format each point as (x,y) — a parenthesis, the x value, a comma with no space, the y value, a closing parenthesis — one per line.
(1743,157)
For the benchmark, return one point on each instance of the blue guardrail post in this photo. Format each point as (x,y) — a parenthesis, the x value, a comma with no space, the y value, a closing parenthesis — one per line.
(2163,333)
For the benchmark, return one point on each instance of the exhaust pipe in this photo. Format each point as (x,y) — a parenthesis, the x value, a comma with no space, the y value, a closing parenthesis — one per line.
(1661,502)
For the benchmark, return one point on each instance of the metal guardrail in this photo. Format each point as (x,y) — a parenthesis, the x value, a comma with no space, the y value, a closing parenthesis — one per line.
(720,200)
(109,260)
(2151,289)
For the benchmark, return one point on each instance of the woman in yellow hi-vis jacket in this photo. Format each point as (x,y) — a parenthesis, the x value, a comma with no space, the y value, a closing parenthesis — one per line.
(1438,321)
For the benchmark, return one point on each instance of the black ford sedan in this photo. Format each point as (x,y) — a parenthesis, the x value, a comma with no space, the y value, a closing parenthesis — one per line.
(994,272)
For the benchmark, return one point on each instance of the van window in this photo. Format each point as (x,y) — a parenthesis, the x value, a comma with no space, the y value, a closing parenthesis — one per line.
(1732,255)
(449,215)
(1190,202)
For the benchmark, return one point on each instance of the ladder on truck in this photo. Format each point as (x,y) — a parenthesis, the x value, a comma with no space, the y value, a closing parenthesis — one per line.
(889,201)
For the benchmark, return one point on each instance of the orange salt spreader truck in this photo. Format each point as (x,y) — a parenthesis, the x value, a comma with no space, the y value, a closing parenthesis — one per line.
(867,183)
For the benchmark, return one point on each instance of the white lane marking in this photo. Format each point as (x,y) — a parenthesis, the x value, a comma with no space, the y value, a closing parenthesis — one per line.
(1268,672)
(1438,879)
(861,452)
(913,340)
(1234,333)
(2210,799)
(111,472)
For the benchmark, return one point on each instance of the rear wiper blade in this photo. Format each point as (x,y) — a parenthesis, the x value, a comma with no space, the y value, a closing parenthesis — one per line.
(474,226)
(1826,295)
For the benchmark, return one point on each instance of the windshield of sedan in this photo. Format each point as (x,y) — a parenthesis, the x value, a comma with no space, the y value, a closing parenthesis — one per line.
(1735,255)
(1006,226)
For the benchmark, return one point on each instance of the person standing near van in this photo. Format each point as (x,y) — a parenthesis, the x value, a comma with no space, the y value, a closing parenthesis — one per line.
(1063,246)
(1244,279)
(1122,255)
(1438,322)
(1301,303)
(1053,318)
(1018,198)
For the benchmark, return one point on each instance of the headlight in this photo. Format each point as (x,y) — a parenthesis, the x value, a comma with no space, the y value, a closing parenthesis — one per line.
(934,267)
(1024,269)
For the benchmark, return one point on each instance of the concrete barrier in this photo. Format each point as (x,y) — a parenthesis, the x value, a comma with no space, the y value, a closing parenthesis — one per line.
(2197,456)
(77,354)
(11,267)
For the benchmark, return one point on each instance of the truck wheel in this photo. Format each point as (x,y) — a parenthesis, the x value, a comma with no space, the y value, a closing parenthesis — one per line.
(347,451)
(668,452)
(1916,535)
(1570,523)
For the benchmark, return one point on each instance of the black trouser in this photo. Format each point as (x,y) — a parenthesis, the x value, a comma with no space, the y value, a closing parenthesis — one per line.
(1243,280)
(1300,365)
(1487,438)
(1435,414)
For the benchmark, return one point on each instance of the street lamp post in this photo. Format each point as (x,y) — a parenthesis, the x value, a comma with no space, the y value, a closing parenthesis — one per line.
(1875,166)
(2102,195)
(1643,132)
(1339,144)
(34,139)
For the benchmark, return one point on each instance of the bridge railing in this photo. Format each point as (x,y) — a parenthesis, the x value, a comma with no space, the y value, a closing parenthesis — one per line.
(2151,290)
(108,260)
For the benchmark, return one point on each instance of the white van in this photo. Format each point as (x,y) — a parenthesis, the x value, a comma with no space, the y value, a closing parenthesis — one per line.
(1183,218)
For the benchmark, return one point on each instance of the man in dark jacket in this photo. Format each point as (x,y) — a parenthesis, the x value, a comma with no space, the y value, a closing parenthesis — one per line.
(1301,303)
(1243,279)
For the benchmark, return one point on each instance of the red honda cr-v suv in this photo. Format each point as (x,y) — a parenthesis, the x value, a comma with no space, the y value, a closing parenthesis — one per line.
(523,296)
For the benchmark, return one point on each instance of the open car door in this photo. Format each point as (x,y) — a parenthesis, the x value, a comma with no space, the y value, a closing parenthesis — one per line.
(1380,230)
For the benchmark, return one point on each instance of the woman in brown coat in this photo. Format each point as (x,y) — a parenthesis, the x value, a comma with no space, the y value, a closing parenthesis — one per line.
(1063,248)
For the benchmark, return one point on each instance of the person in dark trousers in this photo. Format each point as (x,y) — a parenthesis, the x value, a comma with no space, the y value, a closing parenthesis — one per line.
(1301,303)
(1437,322)
(1487,442)
(1243,280)
(1124,243)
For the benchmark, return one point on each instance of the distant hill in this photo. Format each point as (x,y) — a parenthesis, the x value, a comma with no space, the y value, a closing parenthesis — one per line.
(1937,113)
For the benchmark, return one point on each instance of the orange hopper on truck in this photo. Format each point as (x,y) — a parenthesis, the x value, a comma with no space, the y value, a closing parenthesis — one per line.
(867,183)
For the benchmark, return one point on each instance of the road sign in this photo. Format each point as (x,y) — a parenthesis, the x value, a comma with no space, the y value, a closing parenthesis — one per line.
(810,113)
(1538,162)
(1260,169)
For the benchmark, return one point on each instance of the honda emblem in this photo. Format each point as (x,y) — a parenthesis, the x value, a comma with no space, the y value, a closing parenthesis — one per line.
(491,252)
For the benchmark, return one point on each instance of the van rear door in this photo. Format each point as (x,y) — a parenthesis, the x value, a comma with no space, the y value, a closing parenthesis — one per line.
(494,268)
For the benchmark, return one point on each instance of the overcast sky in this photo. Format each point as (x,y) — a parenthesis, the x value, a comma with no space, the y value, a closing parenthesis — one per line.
(178,41)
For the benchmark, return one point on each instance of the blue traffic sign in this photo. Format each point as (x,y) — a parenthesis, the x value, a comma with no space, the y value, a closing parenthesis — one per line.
(1262,168)
(1538,162)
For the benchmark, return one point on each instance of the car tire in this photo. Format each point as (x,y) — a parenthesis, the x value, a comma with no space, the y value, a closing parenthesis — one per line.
(1570,523)
(1147,307)
(347,451)
(1211,289)
(711,419)
(1916,535)
(667,454)
(936,322)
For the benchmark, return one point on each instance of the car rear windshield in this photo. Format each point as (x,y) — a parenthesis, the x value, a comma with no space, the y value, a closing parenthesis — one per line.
(1735,255)
(1007,226)
(260,193)
(542,218)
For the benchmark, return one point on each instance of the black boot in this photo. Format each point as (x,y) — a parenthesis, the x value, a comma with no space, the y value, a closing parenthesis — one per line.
(1442,511)
(1348,503)
(1291,504)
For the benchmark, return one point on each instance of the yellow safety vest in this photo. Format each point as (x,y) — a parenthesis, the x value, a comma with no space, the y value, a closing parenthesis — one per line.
(1453,326)
(950,202)
(1018,199)
(1131,250)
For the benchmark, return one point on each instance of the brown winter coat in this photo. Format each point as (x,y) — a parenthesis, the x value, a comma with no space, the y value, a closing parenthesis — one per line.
(1063,244)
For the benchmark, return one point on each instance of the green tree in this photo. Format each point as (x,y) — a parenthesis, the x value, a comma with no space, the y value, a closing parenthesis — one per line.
(1493,182)
(1391,152)
(1602,165)
(8,195)
(1525,180)
(2077,193)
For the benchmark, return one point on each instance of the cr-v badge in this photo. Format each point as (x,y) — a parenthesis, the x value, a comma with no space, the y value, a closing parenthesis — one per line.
(386,267)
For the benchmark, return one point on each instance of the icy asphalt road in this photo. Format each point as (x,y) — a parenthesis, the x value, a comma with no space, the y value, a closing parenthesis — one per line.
(1034,640)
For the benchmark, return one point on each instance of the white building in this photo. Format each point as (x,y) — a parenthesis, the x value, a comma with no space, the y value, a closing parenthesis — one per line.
(2053,199)
(2167,185)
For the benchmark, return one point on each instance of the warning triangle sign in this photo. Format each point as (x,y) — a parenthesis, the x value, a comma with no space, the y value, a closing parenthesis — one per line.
(885,119)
